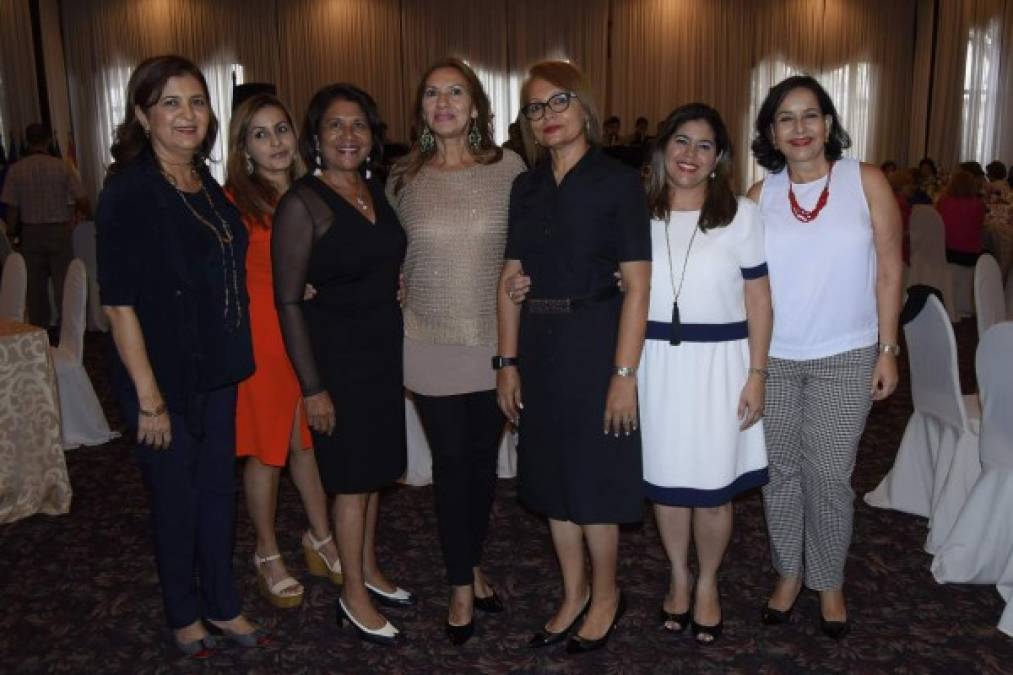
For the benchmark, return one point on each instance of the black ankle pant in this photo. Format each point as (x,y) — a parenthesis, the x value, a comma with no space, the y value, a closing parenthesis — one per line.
(464,433)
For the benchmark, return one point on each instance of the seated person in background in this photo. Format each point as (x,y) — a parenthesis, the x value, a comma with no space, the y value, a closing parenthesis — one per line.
(974,168)
(926,182)
(997,189)
(963,214)
(638,138)
(610,132)
(888,167)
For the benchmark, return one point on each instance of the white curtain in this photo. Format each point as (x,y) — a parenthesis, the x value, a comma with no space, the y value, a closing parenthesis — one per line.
(969,117)
(19,100)
(105,40)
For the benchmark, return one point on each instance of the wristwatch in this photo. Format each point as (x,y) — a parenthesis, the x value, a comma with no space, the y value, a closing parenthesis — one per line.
(886,348)
(499,362)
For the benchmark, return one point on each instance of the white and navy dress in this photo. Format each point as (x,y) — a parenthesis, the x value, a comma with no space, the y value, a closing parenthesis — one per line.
(693,451)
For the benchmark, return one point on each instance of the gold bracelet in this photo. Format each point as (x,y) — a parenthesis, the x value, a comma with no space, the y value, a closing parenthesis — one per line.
(157,412)
(762,372)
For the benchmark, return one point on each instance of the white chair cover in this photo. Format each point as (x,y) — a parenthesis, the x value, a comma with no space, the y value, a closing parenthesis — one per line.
(84,248)
(962,281)
(979,547)
(989,301)
(941,435)
(83,422)
(928,254)
(420,458)
(13,288)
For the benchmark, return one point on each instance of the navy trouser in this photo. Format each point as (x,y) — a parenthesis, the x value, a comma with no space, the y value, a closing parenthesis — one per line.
(193,495)
(464,431)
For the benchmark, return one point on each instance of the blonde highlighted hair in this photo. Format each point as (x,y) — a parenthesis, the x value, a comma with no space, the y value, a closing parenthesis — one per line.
(568,78)
(252,193)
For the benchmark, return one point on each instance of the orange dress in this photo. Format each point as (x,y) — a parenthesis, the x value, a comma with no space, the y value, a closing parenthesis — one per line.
(267,400)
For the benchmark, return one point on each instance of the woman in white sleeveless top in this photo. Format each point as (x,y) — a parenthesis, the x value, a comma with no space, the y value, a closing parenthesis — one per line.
(833,245)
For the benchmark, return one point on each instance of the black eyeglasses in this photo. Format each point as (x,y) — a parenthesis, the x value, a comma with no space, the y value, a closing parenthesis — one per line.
(558,103)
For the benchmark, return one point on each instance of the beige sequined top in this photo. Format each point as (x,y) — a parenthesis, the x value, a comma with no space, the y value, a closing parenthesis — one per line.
(456,222)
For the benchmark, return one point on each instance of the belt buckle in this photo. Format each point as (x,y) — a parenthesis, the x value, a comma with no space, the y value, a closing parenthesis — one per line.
(550,306)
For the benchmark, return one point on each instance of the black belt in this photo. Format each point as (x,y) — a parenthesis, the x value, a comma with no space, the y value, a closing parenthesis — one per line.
(569,305)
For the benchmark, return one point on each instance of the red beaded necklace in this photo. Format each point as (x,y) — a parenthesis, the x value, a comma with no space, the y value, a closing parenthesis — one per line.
(802,215)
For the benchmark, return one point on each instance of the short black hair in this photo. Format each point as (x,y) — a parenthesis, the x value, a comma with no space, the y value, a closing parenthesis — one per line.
(641,120)
(611,119)
(995,170)
(37,134)
(322,100)
(769,157)
(888,165)
(931,162)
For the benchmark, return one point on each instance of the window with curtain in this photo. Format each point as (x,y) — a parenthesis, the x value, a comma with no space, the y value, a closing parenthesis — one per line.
(112,107)
(980,111)
(850,87)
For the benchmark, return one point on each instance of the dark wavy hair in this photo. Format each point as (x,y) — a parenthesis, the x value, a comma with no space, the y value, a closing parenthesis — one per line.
(766,154)
(720,204)
(488,152)
(143,90)
(342,91)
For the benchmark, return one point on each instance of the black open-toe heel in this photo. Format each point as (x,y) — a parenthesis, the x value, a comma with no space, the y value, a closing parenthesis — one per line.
(668,618)
(707,635)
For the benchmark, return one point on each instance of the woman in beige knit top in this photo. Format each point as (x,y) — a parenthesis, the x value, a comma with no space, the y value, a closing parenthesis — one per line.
(451,194)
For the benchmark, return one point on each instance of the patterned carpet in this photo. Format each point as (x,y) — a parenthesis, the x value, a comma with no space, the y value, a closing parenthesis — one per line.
(80,595)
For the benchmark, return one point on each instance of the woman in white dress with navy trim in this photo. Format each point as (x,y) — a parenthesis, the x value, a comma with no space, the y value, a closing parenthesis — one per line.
(701,376)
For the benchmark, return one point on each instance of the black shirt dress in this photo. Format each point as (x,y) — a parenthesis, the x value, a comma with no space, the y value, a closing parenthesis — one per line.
(570,239)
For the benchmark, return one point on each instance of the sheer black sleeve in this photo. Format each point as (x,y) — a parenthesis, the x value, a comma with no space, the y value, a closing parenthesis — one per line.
(292,236)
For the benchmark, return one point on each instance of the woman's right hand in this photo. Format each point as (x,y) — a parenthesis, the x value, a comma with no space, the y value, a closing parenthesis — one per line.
(518,286)
(508,393)
(154,430)
(320,413)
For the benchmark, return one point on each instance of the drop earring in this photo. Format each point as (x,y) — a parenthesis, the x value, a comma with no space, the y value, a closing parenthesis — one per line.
(316,156)
(474,137)
(249,165)
(426,140)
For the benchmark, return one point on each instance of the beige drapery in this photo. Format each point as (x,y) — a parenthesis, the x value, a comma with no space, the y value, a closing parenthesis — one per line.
(643,57)
(105,39)
(728,54)
(949,139)
(19,101)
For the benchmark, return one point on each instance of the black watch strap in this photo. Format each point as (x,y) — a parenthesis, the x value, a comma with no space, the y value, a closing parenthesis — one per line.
(499,362)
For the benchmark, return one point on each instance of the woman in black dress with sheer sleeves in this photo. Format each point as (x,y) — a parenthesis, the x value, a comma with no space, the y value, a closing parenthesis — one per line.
(336,231)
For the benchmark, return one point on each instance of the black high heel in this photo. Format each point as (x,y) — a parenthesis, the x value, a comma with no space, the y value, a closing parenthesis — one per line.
(713,632)
(579,645)
(490,604)
(776,617)
(669,618)
(545,637)
(837,630)
(460,634)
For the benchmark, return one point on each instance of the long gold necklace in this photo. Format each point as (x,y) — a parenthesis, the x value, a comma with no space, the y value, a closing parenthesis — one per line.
(358,197)
(225,239)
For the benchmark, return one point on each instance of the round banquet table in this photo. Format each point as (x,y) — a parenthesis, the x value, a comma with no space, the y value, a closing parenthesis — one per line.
(33,471)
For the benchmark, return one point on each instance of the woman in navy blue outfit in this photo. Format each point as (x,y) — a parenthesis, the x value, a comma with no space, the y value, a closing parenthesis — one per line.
(575,219)
(171,254)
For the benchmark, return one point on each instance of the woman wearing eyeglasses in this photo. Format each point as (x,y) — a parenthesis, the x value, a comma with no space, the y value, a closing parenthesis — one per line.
(568,355)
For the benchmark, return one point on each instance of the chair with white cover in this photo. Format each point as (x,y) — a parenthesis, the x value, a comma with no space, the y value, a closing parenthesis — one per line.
(82,419)
(979,547)
(85,249)
(937,461)
(928,254)
(989,301)
(13,288)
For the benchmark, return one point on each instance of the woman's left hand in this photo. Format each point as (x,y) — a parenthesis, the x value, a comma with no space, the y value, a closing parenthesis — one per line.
(621,406)
(884,377)
(751,400)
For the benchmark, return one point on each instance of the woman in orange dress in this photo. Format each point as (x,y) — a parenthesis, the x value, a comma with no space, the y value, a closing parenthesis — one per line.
(271,426)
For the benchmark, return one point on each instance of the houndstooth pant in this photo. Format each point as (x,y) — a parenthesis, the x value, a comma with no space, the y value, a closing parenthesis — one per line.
(815,414)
